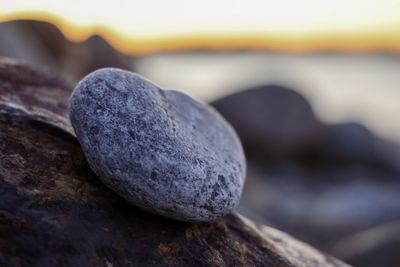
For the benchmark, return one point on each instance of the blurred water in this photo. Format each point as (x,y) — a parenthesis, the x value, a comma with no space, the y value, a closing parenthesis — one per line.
(341,87)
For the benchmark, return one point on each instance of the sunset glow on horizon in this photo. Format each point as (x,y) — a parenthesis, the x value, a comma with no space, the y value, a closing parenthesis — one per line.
(141,26)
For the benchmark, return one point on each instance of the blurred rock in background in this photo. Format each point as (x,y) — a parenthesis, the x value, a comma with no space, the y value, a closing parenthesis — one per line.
(41,43)
(321,183)
(272,121)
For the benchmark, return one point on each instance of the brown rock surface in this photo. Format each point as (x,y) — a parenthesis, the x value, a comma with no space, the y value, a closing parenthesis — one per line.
(54,211)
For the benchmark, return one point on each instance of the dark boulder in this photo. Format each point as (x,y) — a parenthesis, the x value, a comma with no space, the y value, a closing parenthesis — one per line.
(322,183)
(272,121)
(54,211)
(353,144)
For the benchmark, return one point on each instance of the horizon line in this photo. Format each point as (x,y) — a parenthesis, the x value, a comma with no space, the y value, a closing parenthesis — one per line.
(355,42)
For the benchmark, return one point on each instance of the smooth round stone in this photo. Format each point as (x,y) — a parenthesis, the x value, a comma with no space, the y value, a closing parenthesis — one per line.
(159,149)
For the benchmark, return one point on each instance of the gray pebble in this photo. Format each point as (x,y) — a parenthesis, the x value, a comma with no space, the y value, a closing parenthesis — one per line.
(161,150)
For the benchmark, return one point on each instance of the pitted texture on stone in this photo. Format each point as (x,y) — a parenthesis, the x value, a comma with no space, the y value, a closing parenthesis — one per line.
(54,211)
(160,149)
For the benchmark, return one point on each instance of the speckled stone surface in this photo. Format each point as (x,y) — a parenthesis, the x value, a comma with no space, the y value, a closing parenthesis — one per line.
(159,149)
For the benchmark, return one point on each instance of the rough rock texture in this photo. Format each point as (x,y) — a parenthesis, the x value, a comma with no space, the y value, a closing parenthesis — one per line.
(271,120)
(40,92)
(159,149)
(54,211)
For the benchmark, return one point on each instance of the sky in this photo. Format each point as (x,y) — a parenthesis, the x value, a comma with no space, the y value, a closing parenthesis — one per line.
(227,23)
